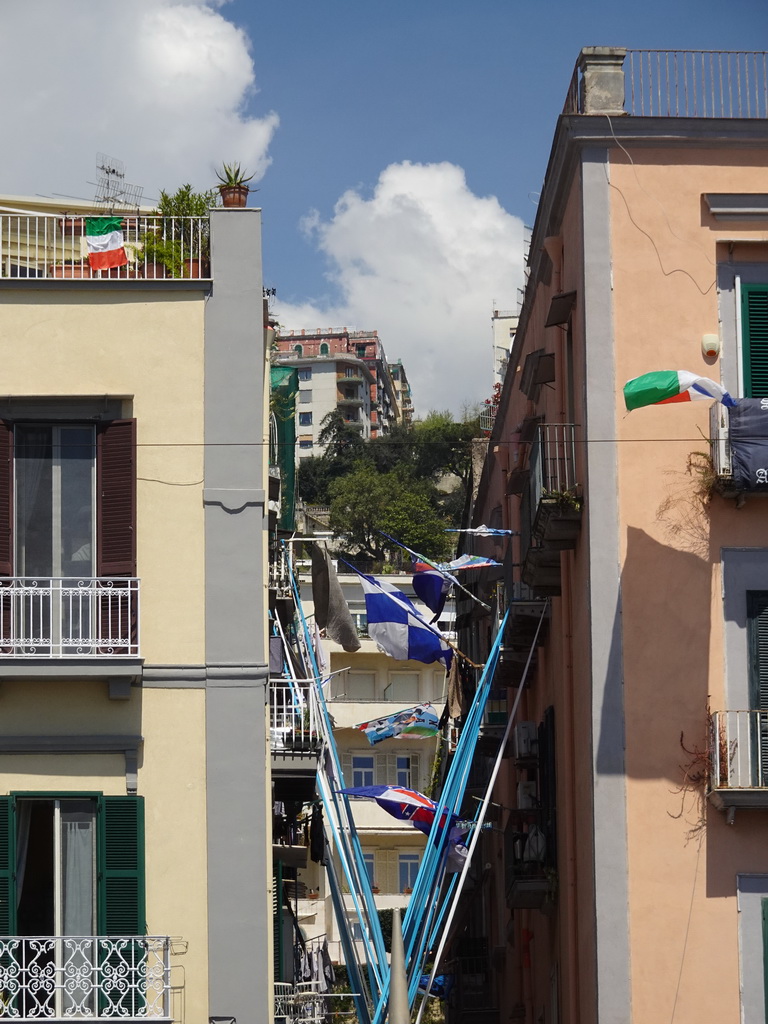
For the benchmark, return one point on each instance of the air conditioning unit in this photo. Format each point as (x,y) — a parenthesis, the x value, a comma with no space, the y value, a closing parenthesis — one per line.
(721,445)
(526,796)
(526,740)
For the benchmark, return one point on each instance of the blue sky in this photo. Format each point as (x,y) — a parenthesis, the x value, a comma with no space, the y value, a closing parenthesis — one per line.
(398,147)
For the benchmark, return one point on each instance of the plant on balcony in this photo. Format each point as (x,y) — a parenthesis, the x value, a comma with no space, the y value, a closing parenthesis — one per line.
(564,500)
(185,236)
(233,186)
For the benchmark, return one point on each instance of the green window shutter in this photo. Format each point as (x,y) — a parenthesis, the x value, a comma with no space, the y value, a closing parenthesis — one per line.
(7,868)
(754,333)
(757,633)
(764,907)
(121,908)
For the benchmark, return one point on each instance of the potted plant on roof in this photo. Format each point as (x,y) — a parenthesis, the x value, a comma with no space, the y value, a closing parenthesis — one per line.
(233,185)
(181,242)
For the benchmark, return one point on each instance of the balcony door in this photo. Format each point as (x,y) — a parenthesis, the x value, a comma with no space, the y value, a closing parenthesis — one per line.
(54,487)
(56,882)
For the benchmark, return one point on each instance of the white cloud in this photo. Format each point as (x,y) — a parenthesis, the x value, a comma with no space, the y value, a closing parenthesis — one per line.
(160,84)
(421,261)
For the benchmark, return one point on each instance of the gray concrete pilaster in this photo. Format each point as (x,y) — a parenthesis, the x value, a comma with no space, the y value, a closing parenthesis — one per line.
(239,910)
(614,1001)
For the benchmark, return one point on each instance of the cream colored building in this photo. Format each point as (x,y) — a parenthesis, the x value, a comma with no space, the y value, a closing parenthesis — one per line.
(133,767)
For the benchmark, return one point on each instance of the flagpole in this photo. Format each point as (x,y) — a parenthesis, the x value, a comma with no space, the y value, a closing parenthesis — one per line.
(443,573)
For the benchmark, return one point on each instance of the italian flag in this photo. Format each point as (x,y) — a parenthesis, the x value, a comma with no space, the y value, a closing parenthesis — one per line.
(666,386)
(104,236)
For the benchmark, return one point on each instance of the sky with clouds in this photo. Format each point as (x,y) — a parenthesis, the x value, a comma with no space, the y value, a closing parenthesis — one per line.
(398,148)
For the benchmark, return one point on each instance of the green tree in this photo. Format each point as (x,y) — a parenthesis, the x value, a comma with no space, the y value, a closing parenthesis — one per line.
(365,502)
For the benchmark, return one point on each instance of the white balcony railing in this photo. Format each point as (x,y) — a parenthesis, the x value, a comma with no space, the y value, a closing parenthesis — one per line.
(299,1004)
(63,617)
(739,750)
(36,246)
(293,725)
(85,977)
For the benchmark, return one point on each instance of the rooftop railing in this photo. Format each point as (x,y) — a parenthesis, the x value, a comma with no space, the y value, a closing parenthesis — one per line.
(37,246)
(670,83)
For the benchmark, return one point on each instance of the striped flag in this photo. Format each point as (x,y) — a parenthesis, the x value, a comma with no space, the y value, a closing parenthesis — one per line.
(104,237)
(666,386)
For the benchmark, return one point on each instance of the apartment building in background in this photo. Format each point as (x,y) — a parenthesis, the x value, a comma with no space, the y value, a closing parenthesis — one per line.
(627,871)
(346,371)
(134,821)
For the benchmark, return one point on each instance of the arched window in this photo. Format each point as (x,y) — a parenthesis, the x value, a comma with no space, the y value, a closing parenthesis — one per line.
(324,349)
(298,350)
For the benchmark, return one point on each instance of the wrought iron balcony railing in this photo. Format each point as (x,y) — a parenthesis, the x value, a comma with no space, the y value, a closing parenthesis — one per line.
(37,246)
(67,617)
(85,977)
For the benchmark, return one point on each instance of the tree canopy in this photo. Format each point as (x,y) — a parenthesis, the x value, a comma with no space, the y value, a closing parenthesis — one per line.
(410,483)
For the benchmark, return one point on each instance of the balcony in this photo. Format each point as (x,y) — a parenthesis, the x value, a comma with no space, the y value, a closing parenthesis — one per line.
(355,401)
(55,248)
(69,618)
(85,977)
(529,859)
(302,1003)
(551,508)
(737,764)
(294,741)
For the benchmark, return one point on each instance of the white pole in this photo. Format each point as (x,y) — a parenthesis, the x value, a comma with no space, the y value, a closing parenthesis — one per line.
(399,1010)
(479,823)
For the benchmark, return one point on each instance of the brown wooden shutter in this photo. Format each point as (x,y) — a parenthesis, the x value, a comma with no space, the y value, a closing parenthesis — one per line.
(116,498)
(6,498)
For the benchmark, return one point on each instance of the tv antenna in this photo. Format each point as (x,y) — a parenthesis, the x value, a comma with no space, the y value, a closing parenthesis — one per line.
(111,187)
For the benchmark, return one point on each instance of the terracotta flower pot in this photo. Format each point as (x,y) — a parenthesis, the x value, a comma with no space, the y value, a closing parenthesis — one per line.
(70,271)
(234,195)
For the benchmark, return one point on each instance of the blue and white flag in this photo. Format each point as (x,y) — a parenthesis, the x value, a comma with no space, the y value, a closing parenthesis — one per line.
(431,586)
(399,629)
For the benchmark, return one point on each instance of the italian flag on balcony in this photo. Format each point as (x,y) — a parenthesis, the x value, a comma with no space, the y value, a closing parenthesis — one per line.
(104,236)
(666,386)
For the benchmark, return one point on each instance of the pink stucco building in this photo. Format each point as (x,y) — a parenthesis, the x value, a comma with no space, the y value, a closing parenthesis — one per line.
(626,878)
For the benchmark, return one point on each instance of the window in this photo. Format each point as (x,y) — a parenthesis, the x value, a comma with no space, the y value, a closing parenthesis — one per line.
(305,442)
(408,868)
(360,686)
(362,770)
(305,419)
(360,352)
(299,350)
(305,397)
(754,339)
(403,686)
(404,775)
(324,350)
(67,511)
(380,769)
(76,866)
(370,860)
(305,373)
